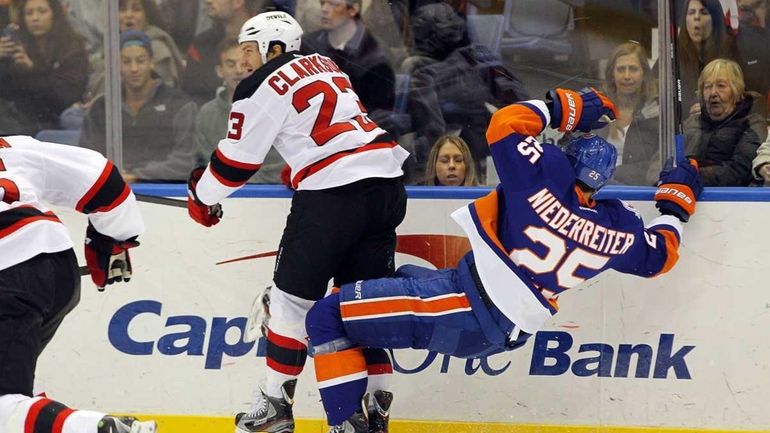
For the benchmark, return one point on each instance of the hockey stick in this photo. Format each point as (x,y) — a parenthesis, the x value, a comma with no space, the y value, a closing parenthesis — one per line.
(148,199)
(161,200)
(678,130)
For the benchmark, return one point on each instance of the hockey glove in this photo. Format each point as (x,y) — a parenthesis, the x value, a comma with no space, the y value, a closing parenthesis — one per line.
(678,190)
(107,259)
(259,317)
(582,111)
(199,211)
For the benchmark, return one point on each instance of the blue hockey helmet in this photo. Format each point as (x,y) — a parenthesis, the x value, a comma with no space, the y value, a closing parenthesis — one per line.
(593,159)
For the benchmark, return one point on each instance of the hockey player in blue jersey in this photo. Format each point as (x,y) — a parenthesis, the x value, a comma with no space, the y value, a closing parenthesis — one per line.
(540,232)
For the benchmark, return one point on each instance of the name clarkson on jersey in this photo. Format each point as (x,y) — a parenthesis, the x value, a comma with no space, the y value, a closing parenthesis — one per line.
(585,232)
(303,67)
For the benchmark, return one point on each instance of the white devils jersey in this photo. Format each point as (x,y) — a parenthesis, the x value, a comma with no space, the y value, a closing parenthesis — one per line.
(33,172)
(305,107)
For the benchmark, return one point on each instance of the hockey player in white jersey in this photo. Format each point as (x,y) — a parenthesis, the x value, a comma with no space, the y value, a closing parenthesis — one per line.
(39,274)
(349,197)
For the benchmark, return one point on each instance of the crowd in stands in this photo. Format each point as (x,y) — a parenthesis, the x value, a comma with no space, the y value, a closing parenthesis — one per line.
(431,72)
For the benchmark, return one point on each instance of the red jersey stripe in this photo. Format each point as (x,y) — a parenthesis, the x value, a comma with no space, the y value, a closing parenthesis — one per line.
(323,163)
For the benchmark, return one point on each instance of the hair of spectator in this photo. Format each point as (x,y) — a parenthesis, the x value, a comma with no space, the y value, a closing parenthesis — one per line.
(224,45)
(470,166)
(62,38)
(649,88)
(715,46)
(151,12)
(351,3)
(136,38)
(724,68)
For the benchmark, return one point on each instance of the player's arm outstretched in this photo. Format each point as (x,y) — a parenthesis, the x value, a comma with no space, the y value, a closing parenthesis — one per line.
(86,181)
(519,158)
(252,130)
(678,191)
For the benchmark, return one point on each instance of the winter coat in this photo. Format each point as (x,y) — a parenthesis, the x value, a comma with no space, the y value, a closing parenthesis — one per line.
(157,141)
(725,149)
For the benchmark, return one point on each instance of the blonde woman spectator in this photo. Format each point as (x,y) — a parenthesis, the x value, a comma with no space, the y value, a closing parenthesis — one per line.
(631,85)
(725,135)
(450,163)
(144,16)
(761,165)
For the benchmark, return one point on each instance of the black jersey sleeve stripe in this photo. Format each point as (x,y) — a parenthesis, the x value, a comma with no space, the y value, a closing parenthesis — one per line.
(231,173)
(18,217)
(106,193)
(47,417)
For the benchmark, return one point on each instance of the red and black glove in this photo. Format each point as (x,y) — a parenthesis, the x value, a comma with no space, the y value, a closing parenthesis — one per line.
(579,111)
(286,176)
(199,211)
(107,259)
(678,190)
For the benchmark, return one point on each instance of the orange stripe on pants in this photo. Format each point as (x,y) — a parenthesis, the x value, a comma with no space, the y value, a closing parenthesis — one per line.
(390,306)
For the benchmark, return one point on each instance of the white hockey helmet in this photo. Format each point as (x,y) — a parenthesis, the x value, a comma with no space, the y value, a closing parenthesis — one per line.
(269,28)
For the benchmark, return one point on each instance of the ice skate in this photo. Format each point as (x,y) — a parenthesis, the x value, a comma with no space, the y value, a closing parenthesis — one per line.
(379,412)
(357,423)
(125,424)
(269,414)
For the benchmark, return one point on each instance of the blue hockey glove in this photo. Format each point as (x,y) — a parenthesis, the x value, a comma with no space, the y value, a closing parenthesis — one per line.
(678,190)
(582,111)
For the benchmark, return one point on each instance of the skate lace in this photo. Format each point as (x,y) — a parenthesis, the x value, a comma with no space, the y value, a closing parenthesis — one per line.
(259,408)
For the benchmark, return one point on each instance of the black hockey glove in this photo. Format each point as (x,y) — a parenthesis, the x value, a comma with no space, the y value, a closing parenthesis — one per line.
(108,260)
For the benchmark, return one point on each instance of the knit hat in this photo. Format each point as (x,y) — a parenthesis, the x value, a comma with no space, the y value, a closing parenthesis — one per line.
(135,38)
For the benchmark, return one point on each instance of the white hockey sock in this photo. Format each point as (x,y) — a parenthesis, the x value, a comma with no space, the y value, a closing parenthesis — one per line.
(17,411)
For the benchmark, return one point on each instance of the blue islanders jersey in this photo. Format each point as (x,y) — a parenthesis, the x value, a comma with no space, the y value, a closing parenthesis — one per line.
(535,235)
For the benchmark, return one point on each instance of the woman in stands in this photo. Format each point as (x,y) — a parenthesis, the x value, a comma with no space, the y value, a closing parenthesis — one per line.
(725,135)
(43,68)
(631,85)
(450,163)
(703,37)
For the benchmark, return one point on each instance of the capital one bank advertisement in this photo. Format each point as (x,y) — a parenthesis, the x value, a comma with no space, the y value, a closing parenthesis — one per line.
(687,350)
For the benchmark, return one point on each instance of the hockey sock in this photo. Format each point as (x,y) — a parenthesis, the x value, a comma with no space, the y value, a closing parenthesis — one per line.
(285,361)
(342,378)
(379,368)
(22,414)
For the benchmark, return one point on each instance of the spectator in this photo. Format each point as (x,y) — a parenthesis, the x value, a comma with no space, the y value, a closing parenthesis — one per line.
(629,83)
(344,39)
(703,37)
(725,135)
(87,20)
(452,86)
(211,122)
(184,19)
(200,79)
(754,13)
(157,119)
(43,67)
(450,163)
(753,40)
(143,15)
(761,164)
